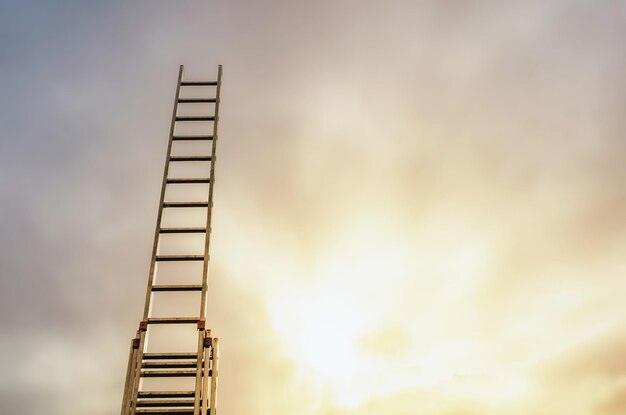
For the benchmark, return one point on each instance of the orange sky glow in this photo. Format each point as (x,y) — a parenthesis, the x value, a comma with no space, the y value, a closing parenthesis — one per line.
(419,208)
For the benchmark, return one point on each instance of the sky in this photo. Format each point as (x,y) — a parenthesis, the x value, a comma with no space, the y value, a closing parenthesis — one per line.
(420,205)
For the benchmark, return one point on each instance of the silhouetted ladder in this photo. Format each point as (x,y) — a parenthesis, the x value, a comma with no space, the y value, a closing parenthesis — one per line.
(202,363)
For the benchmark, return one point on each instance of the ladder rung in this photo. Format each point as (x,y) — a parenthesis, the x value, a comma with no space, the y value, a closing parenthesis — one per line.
(190,158)
(170,365)
(191,180)
(168,373)
(164,403)
(158,411)
(173,320)
(180,258)
(166,356)
(191,137)
(182,230)
(195,118)
(166,394)
(196,100)
(177,288)
(185,204)
(198,83)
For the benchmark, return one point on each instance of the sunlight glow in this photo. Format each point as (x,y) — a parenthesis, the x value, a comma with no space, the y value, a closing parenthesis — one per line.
(354,325)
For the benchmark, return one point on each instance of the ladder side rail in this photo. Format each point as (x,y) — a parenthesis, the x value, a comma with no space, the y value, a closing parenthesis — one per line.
(129,376)
(137,374)
(214,373)
(155,245)
(206,374)
(198,388)
(142,334)
(207,240)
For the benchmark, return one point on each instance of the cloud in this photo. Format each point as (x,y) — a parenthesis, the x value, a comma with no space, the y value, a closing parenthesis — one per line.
(390,342)
(419,206)
(613,405)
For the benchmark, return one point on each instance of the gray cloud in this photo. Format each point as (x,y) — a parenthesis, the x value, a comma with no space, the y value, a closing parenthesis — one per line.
(506,119)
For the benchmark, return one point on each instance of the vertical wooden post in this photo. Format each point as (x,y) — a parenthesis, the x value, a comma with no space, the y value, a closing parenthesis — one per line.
(198,389)
(205,377)
(155,246)
(207,240)
(214,373)
(129,376)
(137,374)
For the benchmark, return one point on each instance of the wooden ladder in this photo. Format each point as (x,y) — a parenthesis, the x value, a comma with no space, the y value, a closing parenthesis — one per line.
(203,363)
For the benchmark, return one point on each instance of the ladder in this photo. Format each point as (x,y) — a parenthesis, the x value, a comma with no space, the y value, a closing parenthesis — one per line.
(200,366)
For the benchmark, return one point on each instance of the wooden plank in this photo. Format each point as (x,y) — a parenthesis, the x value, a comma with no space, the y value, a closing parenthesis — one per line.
(198,372)
(137,370)
(190,158)
(173,320)
(129,375)
(168,373)
(214,373)
(207,240)
(151,403)
(195,118)
(170,365)
(206,375)
(166,356)
(199,83)
(185,204)
(183,230)
(189,180)
(192,137)
(170,258)
(161,288)
(166,394)
(196,100)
